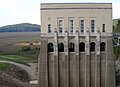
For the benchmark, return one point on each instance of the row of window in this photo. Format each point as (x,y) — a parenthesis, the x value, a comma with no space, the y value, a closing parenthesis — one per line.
(72,47)
(71,25)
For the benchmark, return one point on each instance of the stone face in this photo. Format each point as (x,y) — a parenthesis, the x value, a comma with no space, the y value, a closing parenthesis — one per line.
(72,68)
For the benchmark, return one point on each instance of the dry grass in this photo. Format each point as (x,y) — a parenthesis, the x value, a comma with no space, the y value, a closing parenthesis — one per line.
(14,37)
(7,40)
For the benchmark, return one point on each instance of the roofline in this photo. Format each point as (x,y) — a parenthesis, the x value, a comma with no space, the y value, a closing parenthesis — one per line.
(76,3)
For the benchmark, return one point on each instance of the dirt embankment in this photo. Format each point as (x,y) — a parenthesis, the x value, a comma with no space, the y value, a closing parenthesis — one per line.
(14,76)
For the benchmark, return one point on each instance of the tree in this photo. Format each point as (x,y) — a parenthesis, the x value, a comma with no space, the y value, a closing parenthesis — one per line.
(118,21)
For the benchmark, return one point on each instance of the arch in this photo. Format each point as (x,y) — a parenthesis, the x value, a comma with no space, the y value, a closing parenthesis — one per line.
(71,47)
(82,47)
(92,46)
(102,46)
(50,47)
(60,47)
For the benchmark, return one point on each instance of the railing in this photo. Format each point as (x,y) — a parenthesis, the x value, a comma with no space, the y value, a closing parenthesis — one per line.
(116,39)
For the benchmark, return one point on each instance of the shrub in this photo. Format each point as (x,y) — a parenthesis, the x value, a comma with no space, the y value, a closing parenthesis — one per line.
(25,48)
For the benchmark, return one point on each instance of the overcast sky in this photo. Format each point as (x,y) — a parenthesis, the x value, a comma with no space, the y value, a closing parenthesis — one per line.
(28,11)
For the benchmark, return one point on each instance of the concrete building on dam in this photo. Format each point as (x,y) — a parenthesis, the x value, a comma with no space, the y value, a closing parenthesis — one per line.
(76,45)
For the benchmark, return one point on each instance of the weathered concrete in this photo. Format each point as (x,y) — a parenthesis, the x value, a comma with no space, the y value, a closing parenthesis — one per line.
(77,69)
(43,65)
(110,65)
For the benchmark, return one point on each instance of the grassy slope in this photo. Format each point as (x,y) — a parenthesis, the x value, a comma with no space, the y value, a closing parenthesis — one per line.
(15,58)
(3,66)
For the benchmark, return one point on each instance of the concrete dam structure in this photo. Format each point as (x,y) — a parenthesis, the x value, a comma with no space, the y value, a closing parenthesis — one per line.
(76,45)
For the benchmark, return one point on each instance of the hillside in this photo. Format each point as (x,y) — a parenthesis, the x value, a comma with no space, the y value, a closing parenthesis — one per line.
(23,27)
(27,27)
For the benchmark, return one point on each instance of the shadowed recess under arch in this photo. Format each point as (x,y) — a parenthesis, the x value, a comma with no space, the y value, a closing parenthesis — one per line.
(50,47)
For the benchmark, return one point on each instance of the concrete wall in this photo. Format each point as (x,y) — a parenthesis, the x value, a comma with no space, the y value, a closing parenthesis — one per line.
(77,70)
(101,13)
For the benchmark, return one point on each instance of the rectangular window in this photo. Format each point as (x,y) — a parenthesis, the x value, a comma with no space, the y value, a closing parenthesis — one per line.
(82,25)
(71,25)
(103,27)
(92,25)
(60,25)
(49,28)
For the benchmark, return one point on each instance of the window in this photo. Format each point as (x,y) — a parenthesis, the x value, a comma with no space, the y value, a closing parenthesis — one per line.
(82,47)
(82,25)
(50,47)
(92,25)
(60,25)
(102,46)
(71,25)
(60,47)
(71,47)
(49,28)
(92,46)
(103,27)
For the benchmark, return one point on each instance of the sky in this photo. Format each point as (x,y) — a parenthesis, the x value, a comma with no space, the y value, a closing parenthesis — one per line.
(28,11)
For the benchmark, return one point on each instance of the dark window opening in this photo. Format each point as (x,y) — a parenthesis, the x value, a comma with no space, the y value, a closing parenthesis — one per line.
(71,47)
(82,25)
(82,47)
(92,46)
(60,47)
(103,28)
(49,28)
(50,47)
(102,46)
(71,25)
(60,26)
(60,30)
(92,25)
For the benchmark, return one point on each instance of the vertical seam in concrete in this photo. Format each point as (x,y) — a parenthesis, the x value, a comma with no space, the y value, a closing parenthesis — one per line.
(106,66)
(67,59)
(87,62)
(77,61)
(97,61)
(56,56)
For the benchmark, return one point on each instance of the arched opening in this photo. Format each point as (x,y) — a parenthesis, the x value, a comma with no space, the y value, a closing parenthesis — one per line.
(71,47)
(60,47)
(50,47)
(82,47)
(92,46)
(102,46)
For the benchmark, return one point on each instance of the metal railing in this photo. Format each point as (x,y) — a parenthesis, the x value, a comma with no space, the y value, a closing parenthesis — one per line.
(116,39)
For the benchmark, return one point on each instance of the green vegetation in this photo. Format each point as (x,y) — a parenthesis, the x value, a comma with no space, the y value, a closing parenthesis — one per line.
(23,55)
(116,25)
(25,48)
(116,28)
(117,52)
(32,54)
(23,27)
(15,58)
(4,66)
